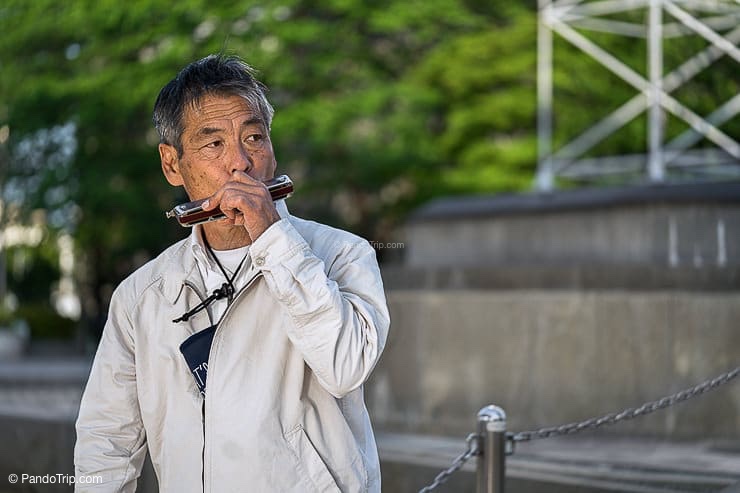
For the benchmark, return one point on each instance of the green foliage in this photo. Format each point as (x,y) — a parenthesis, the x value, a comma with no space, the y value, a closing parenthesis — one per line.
(44,322)
(485,84)
(29,272)
(380,106)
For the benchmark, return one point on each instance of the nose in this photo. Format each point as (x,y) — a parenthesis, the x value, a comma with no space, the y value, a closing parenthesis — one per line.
(242,160)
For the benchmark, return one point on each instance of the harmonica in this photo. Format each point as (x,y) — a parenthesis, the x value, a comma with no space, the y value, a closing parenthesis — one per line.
(192,213)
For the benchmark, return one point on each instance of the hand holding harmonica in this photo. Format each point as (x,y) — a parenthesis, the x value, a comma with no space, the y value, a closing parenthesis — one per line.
(192,213)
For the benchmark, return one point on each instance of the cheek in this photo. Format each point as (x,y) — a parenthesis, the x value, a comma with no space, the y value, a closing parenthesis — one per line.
(200,182)
(267,157)
(265,167)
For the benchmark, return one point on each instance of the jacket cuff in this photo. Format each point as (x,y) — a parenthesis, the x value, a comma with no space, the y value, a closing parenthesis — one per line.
(277,243)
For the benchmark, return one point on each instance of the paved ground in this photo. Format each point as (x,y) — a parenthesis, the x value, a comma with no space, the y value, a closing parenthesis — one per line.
(48,390)
(42,388)
(584,463)
(45,370)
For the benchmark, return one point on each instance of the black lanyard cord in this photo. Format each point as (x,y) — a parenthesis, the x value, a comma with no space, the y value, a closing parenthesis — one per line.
(226,290)
(230,280)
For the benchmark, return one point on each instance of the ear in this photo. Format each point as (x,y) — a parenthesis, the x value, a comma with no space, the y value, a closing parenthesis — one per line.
(170,164)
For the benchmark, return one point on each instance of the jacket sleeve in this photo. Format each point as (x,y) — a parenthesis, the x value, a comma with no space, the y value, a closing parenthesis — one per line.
(111,446)
(339,310)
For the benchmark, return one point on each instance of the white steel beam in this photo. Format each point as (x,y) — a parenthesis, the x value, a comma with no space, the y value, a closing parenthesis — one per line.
(690,137)
(545,174)
(653,90)
(603,7)
(656,170)
(711,5)
(702,30)
(718,23)
(632,108)
(609,26)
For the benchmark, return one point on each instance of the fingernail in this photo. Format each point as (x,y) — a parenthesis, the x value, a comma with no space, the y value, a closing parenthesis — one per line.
(204,205)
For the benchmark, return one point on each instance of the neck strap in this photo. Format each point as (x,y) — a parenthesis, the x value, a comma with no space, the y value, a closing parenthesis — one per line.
(226,290)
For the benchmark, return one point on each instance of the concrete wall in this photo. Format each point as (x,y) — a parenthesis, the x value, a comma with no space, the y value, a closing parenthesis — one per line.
(655,234)
(553,357)
(695,225)
(566,306)
(45,447)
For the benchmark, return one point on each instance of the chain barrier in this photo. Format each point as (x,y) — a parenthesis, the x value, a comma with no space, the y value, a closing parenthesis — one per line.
(631,413)
(473,439)
(460,460)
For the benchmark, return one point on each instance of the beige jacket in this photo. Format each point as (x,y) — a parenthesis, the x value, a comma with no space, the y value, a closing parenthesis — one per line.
(284,408)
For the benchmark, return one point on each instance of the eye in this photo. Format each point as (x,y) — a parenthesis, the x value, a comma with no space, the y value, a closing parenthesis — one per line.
(213,145)
(254,138)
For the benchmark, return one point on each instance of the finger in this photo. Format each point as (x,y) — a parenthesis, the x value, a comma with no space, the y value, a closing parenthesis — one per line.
(238,218)
(240,181)
(217,198)
(241,203)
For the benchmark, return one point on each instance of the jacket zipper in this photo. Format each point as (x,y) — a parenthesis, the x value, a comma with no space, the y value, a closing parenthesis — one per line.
(203,451)
(203,406)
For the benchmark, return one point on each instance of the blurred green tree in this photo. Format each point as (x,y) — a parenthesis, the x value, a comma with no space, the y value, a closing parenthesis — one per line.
(380,106)
(356,127)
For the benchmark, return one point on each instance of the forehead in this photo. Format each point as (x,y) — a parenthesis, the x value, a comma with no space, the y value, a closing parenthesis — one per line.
(212,109)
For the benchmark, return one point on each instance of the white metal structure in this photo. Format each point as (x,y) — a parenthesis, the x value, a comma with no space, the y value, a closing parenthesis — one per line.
(717,21)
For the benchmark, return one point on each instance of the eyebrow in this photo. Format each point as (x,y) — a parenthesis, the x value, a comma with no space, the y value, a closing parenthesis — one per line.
(255,120)
(208,131)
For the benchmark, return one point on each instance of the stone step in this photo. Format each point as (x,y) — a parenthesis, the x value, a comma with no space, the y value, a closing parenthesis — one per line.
(593,464)
(37,371)
(533,275)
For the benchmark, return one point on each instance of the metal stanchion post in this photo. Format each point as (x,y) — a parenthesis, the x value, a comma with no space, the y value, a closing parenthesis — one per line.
(492,460)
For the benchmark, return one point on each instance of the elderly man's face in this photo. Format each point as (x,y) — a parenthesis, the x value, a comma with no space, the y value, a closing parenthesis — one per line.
(222,134)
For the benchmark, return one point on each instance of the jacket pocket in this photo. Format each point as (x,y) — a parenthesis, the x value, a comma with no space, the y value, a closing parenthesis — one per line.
(310,464)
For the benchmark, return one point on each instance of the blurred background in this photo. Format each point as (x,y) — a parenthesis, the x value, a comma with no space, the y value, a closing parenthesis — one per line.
(550,230)
(380,108)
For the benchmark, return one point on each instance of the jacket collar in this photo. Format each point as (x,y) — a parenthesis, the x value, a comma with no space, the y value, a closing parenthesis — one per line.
(182,264)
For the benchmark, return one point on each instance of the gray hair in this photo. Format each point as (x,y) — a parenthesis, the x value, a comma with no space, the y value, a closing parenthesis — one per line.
(213,75)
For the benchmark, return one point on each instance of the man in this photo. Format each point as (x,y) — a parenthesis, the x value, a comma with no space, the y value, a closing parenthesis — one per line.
(294,324)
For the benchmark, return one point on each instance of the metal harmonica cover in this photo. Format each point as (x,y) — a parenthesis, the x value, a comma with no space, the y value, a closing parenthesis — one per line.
(192,213)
